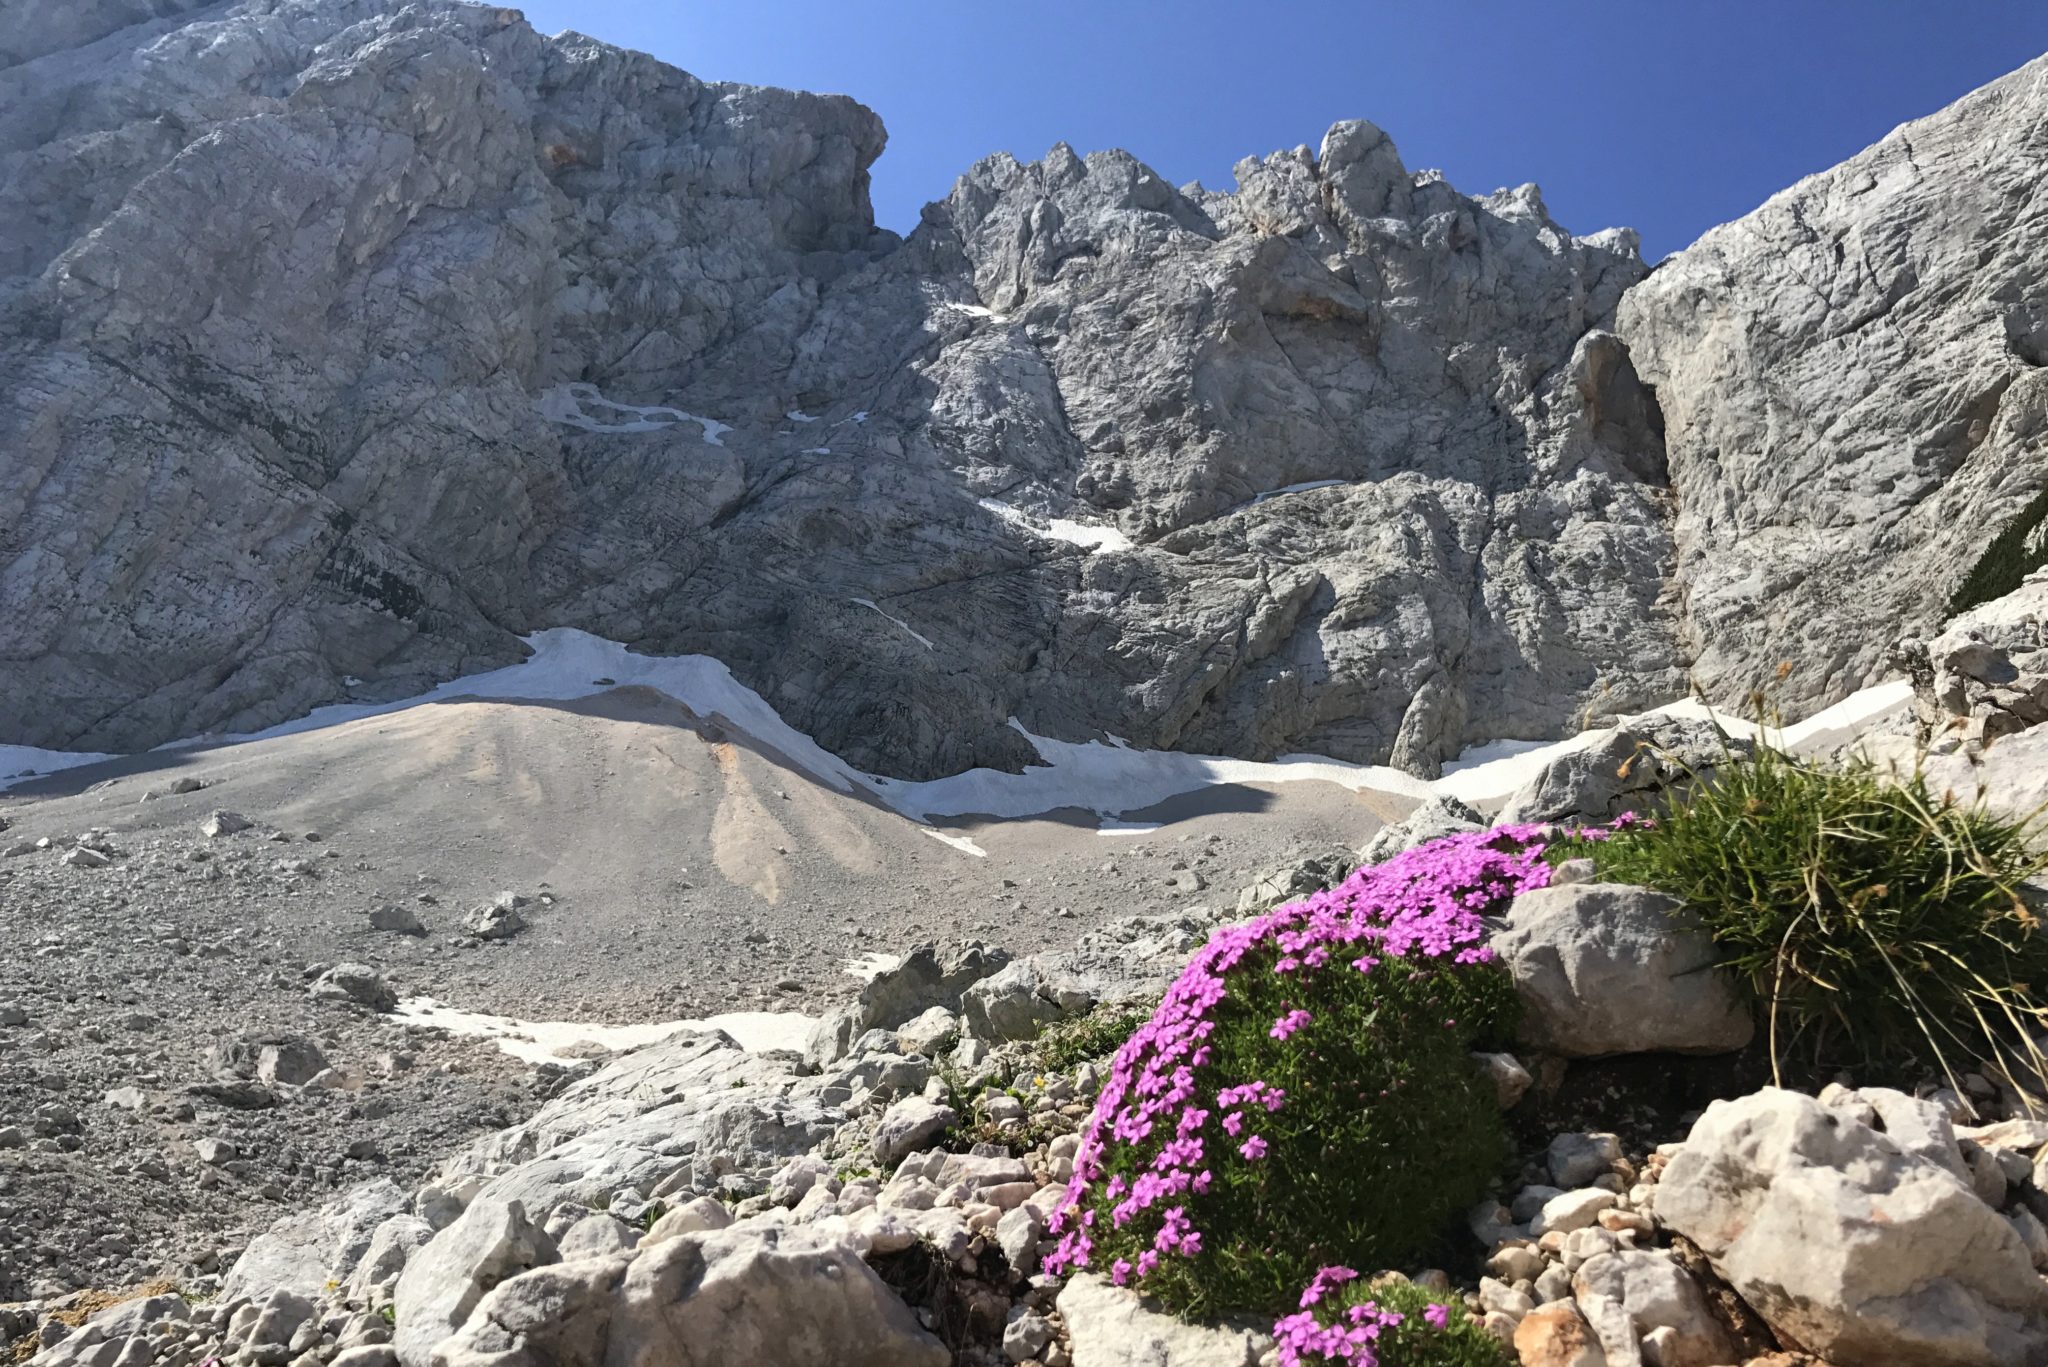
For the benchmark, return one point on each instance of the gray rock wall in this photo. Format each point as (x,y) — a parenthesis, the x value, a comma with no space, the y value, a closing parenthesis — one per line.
(1851,378)
(342,343)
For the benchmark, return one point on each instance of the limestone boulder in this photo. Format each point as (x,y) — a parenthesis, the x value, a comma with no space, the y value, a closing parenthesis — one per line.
(1850,1246)
(493,1242)
(1629,768)
(908,1125)
(1436,818)
(761,1293)
(305,1251)
(1658,1294)
(1111,1326)
(1605,968)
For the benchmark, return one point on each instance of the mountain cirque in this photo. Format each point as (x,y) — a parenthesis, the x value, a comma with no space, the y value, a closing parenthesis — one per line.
(341,344)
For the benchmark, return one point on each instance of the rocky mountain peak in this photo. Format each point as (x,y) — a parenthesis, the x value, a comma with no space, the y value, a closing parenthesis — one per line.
(346,342)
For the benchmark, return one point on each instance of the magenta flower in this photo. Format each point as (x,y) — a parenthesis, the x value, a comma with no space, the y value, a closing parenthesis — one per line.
(1290,1023)
(1142,1158)
(1327,1280)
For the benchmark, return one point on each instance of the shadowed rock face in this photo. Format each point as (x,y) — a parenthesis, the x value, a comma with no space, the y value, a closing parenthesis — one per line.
(341,344)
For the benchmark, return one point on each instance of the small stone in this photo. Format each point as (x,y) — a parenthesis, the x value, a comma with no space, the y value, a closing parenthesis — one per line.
(1573,871)
(1018,1233)
(214,1152)
(498,920)
(1576,1160)
(1026,1336)
(220,823)
(1516,1262)
(396,920)
(1582,1245)
(1510,1079)
(2032,1233)
(928,1032)
(1625,1222)
(1498,1295)
(83,858)
(1530,1200)
(907,1125)
(705,1214)
(1572,1210)
(1556,1335)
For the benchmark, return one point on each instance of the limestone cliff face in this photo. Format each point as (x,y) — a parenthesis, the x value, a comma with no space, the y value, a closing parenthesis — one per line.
(1853,386)
(343,342)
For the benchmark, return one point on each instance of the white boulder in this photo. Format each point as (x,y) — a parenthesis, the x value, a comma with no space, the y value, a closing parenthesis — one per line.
(493,1242)
(1112,1327)
(1849,1245)
(762,1293)
(1605,968)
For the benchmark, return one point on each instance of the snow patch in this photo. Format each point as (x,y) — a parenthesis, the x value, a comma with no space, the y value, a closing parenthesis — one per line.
(958,842)
(1301,488)
(798,415)
(868,967)
(1108,779)
(557,1041)
(19,763)
(1492,752)
(1093,536)
(564,403)
(1493,771)
(1110,826)
(924,641)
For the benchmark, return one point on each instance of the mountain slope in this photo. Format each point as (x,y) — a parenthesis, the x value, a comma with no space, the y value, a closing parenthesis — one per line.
(343,344)
(294,295)
(1852,381)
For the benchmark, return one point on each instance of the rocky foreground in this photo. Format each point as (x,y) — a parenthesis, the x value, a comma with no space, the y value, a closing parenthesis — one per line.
(615,862)
(883,1195)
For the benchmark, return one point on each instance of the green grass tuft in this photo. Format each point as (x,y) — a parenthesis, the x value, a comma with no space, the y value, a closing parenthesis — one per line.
(1874,920)
(1089,1038)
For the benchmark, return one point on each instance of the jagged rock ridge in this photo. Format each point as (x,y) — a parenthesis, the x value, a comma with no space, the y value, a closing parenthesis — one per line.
(343,342)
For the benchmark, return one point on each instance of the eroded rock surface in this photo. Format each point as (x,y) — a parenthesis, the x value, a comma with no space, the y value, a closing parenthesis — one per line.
(1852,386)
(355,342)
(1851,1244)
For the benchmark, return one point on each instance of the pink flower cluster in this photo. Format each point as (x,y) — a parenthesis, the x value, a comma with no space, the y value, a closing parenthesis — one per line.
(1349,1340)
(1160,1103)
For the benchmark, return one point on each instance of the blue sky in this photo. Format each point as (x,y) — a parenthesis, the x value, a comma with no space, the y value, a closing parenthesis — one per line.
(1666,115)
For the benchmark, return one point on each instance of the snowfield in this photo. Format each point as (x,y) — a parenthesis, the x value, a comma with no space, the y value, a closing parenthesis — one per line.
(565,404)
(1109,779)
